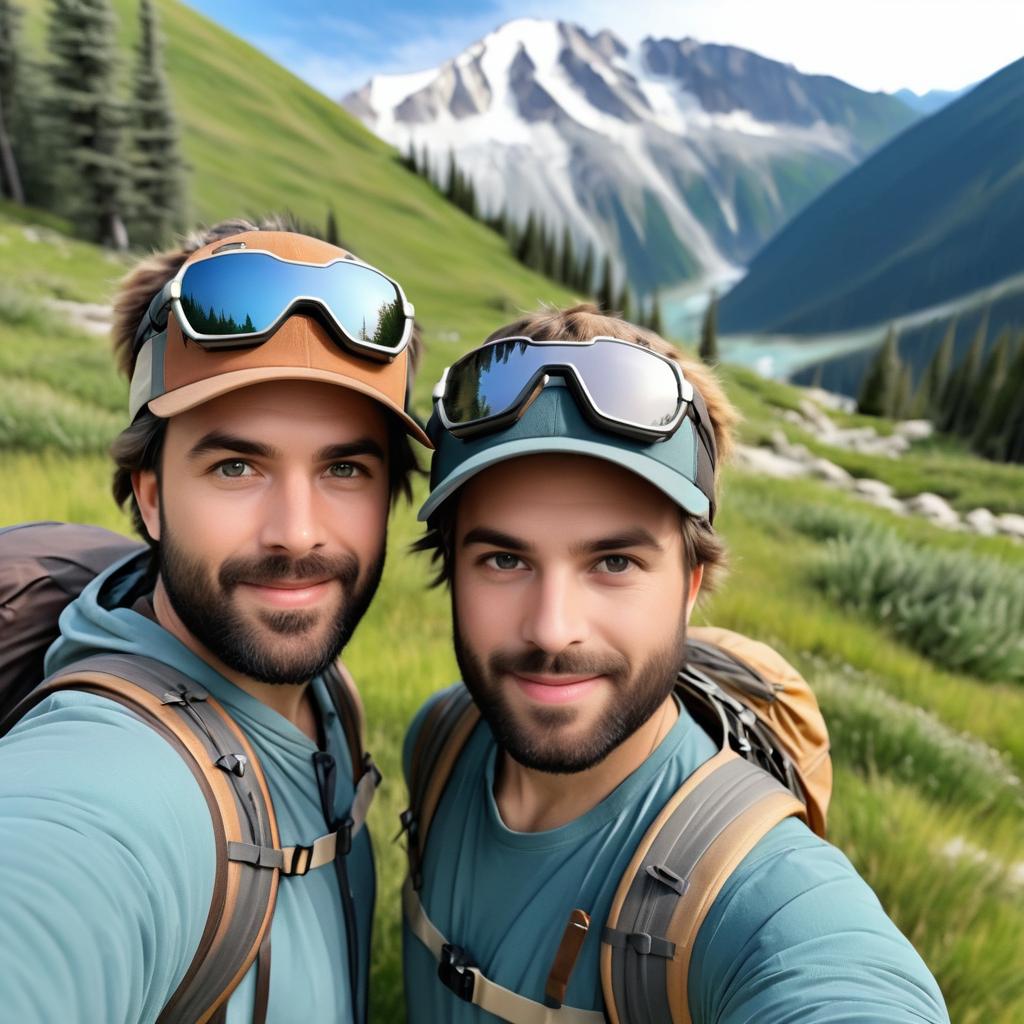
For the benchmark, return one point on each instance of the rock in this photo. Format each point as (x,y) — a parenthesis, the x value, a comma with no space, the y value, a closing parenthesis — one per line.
(872,488)
(935,509)
(982,522)
(1011,524)
(822,469)
(914,430)
(764,460)
(816,416)
(787,449)
(831,400)
(886,501)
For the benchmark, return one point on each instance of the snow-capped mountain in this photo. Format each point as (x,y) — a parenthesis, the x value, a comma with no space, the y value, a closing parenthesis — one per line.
(677,157)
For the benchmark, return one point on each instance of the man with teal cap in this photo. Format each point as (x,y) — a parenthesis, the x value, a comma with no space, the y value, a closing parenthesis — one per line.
(573,495)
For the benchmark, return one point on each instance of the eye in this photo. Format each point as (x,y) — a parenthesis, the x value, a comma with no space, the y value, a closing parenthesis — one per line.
(615,565)
(503,561)
(233,469)
(345,470)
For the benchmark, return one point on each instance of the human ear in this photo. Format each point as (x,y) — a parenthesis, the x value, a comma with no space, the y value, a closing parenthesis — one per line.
(696,577)
(147,496)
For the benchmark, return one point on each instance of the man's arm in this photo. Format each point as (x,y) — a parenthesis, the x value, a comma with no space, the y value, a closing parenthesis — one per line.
(797,935)
(106,865)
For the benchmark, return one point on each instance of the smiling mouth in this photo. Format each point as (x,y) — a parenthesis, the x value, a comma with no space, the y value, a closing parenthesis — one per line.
(290,593)
(552,689)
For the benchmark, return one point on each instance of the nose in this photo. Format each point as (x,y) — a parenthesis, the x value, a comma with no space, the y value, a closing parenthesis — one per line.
(554,616)
(292,523)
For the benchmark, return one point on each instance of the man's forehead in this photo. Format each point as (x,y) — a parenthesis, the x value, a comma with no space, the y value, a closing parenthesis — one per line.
(571,492)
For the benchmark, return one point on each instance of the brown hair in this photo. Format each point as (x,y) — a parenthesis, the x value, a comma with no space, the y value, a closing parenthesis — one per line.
(702,546)
(138,447)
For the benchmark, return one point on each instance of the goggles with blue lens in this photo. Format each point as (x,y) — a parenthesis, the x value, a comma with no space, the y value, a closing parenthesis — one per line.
(237,298)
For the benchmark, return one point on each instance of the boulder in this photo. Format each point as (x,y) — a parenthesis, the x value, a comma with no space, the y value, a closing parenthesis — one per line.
(935,509)
(914,430)
(769,463)
(872,488)
(886,501)
(822,469)
(788,449)
(1011,524)
(982,522)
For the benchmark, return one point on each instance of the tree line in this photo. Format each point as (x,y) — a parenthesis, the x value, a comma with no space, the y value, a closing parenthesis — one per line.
(540,246)
(978,399)
(71,144)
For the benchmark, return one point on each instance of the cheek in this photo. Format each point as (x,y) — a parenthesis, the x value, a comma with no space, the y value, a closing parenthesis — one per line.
(487,614)
(204,521)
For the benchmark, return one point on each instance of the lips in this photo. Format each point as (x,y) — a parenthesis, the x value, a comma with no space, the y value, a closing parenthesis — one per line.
(549,689)
(290,593)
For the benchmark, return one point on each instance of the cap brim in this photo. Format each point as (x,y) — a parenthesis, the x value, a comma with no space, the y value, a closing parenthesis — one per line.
(190,395)
(676,487)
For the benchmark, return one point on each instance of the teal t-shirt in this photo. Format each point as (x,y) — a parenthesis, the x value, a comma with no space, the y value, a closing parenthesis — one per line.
(795,934)
(106,847)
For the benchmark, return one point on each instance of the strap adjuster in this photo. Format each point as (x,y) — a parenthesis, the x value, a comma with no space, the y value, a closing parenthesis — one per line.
(453,970)
(301,861)
(344,832)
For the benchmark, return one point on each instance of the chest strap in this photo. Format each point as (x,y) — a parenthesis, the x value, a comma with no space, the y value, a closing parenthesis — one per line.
(458,972)
(300,860)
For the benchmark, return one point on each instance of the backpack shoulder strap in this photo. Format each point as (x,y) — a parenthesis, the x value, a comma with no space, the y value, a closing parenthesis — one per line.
(245,829)
(444,732)
(709,825)
(365,775)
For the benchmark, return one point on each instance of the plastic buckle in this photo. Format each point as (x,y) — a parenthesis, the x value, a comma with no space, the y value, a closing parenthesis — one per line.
(370,766)
(453,970)
(344,832)
(302,859)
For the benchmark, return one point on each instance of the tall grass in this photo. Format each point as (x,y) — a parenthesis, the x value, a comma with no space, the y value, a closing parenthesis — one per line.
(964,612)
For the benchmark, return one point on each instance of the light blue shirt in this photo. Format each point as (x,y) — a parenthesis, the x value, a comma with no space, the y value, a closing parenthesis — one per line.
(795,934)
(106,847)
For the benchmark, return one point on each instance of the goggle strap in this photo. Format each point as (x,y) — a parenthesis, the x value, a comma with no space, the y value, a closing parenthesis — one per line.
(707,450)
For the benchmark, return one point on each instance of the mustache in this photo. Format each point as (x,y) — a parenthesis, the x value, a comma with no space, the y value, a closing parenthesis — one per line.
(271,569)
(569,663)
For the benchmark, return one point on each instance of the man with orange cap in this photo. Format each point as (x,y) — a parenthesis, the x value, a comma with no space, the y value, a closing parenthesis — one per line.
(269,377)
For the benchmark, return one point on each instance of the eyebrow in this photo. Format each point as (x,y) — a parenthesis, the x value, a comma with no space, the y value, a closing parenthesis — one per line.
(218,441)
(639,537)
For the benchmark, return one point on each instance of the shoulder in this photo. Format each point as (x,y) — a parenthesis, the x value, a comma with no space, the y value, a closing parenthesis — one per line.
(797,913)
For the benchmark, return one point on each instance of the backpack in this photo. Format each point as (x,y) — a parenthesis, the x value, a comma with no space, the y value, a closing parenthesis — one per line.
(43,566)
(772,763)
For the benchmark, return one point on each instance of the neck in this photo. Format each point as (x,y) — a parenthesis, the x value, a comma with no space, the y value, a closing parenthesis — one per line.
(534,801)
(290,700)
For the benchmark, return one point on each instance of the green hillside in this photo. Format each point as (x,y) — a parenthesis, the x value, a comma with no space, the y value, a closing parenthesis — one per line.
(934,215)
(260,140)
(927,802)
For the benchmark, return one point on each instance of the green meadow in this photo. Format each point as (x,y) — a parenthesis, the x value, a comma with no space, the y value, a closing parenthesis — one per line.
(929,753)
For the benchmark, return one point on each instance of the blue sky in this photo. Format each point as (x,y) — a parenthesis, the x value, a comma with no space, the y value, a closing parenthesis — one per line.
(874,44)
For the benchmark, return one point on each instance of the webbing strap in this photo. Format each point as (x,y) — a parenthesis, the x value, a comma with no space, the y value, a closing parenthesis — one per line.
(482,992)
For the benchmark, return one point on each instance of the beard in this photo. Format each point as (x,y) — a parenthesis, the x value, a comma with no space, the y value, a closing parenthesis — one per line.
(543,738)
(286,646)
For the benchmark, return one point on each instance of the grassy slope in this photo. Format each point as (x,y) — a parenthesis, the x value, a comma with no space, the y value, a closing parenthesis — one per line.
(887,816)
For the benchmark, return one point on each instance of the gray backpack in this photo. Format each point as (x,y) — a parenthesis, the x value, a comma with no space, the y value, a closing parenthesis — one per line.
(43,567)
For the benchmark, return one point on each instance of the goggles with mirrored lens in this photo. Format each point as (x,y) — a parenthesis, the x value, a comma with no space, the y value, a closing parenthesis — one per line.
(236,299)
(620,386)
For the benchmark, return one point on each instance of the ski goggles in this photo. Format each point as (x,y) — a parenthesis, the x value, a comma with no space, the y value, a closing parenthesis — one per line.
(621,387)
(237,298)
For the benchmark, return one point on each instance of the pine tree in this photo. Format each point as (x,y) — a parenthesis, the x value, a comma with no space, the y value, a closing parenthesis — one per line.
(654,321)
(606,293)
(331,228)
(550,259)
(567,264)
(989,383)
(903,393)
(527,240)
(960,414)
(624,306)
(10,175)
(708,350)
(157,166)
(585,276)
(930,391)
(880,384)
(87,121)
(993,437)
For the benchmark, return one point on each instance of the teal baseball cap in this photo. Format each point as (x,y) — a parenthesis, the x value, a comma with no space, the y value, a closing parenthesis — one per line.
(681,466)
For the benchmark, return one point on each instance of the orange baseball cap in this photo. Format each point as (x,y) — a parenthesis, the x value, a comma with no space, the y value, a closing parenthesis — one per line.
(173,374)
